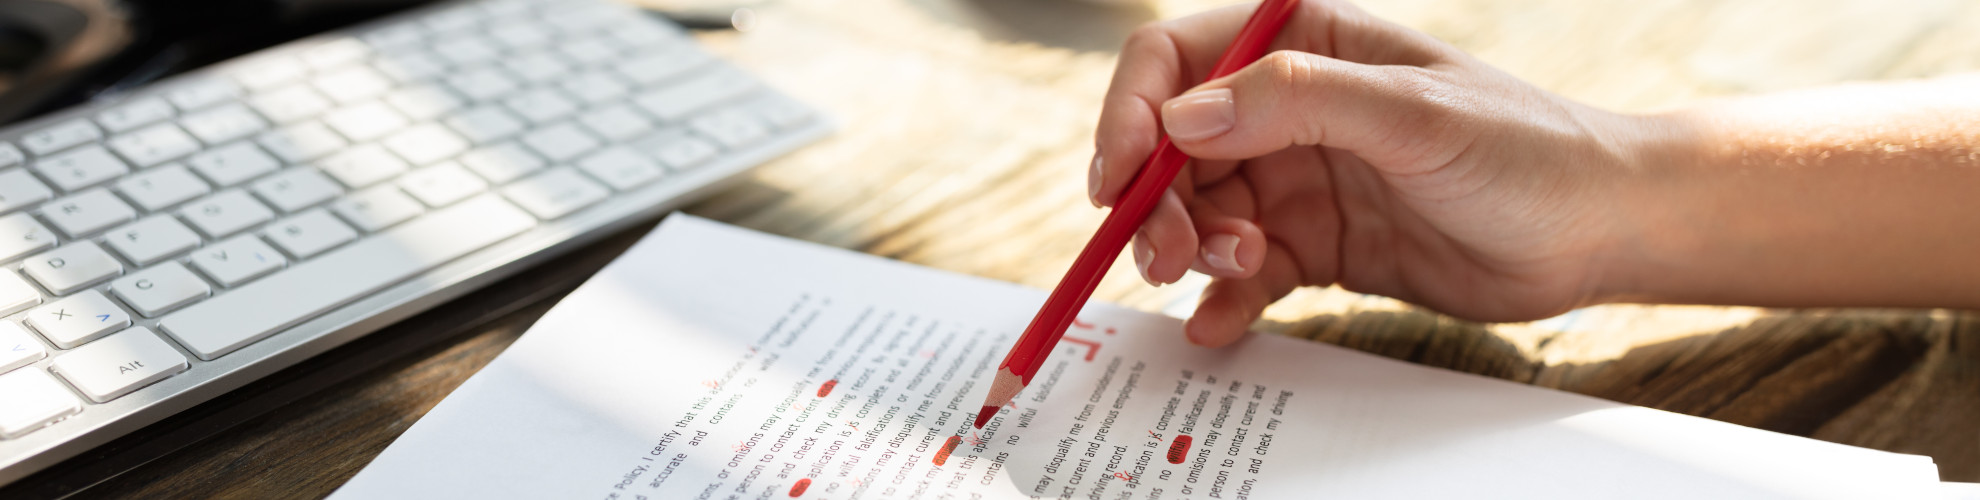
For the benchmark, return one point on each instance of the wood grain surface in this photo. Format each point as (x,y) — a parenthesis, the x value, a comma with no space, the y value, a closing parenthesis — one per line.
(967,129)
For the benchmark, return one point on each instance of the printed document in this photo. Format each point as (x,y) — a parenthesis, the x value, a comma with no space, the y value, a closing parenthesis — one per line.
(712,362)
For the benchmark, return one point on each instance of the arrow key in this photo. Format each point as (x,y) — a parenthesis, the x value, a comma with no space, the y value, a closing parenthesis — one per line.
(18,347)
(78,319)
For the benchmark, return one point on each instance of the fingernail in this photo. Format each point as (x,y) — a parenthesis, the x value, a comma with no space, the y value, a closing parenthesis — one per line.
(1199,115)
(1144,253)
(1093,179)
(1220,252)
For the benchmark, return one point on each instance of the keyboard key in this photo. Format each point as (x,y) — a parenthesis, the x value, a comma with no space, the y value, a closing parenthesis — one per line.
(336,53)
(131,115)
(664,66)
(780,112)
(411,66)
(595,87)
(678,149)
(396,36)
(119,364)
(290,104)
(224,123)
(589,51)
(162,187)
(233,262)
(226,213)
(519,36)
(560,142)
(555,193)
(61,136)
(423,102)
(502,163)
(643,33)
(16,294)
(34,400)
(159,290)
(483,84)
(541,105)
(443,184)
(675,102)
(73,266)
(18,190)
(200,94)
(20,235)
(78,319)
(375,209)
(448,24)
(352,84)
(296,189)
(363,166)
(85,213)
(616,123)
(301,142)
(223,324)
(536,67)
(426,144)
(733,128)
(154,145)
(150,240)
(10,155)
(366,121)
(233,163)
(485,124)
(309,233)
(18,348)
(621,168)
(466,51)
(585,18)
(270,72)
(82,168)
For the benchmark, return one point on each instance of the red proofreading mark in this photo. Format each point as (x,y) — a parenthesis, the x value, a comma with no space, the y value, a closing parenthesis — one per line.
(1082,324)
(1094,347)
(1111,330)
(1179,449)
(1124,476)
(826,388)
(948,447)
(711,384)
(1154,435)
(975,440)
(798,489)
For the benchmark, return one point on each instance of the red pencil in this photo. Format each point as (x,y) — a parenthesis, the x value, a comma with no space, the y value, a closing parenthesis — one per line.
(1066,300)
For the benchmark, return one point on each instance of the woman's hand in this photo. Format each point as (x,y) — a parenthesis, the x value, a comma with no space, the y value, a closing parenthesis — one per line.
(1364,154)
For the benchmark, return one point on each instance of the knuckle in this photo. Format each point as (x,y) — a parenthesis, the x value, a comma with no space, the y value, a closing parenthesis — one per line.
(1287,71)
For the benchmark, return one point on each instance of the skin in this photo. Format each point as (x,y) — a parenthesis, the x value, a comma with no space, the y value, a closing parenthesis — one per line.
(1363,154)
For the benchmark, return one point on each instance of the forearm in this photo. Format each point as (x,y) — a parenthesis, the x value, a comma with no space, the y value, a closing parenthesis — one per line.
(1865,195)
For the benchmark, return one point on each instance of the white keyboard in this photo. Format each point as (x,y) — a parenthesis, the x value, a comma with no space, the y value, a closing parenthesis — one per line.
(183,240)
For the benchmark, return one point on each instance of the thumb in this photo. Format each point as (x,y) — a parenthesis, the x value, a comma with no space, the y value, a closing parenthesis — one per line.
(1387,115)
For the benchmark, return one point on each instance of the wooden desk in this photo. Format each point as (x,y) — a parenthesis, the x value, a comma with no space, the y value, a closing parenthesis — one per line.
(967,130)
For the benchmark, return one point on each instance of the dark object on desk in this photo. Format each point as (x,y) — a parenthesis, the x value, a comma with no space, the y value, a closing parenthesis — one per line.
(60,53)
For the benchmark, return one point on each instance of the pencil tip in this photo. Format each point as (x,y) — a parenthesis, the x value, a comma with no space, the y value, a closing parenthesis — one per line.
(984,416)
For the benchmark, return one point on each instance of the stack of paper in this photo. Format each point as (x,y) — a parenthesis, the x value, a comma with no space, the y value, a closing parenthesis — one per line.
(712,362)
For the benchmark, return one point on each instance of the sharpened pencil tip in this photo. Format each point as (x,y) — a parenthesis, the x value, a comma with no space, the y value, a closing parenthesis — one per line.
(984,417)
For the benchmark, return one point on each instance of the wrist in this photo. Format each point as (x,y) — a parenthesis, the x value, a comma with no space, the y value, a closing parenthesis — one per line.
(1656,190)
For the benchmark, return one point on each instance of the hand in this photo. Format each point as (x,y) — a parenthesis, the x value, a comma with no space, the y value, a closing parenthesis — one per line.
(1364,154)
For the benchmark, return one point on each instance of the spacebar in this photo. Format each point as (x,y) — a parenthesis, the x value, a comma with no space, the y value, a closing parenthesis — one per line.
(219,326)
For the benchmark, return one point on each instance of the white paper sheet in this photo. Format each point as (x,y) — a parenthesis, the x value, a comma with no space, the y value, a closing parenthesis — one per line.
(712,362)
